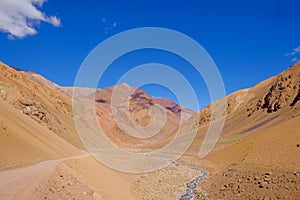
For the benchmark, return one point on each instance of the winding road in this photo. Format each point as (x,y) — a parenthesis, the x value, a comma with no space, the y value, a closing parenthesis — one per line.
(16,183)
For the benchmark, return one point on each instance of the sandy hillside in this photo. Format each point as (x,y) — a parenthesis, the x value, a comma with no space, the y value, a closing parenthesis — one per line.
(257,156)
(41,154)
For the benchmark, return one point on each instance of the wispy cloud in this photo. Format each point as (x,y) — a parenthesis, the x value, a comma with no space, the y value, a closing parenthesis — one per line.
(18,18)
(295,52)
(108,26)
(294,59)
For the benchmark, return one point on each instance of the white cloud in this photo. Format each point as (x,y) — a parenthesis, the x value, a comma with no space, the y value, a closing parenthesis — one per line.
(18,18)
(294,53)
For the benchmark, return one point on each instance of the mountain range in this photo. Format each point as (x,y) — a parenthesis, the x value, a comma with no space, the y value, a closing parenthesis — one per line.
(256,157)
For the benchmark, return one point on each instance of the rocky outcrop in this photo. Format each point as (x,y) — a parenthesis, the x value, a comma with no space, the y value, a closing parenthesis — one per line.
(33,108)
(285,91)
(38,111)
(274,99)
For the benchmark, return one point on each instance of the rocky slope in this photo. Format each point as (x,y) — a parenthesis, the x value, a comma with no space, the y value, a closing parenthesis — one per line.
(271,95)
(257,154)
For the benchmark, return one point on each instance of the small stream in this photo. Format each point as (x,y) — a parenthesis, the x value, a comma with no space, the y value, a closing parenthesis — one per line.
(191,186)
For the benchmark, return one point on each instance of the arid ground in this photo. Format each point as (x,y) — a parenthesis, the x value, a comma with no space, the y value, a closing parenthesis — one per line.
(42,156)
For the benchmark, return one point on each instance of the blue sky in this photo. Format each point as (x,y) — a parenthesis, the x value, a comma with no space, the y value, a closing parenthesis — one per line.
(248,40)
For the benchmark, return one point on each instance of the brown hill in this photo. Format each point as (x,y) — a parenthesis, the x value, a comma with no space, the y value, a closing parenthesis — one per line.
(139,108)
(259,142)
(41,154)
(143,100)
